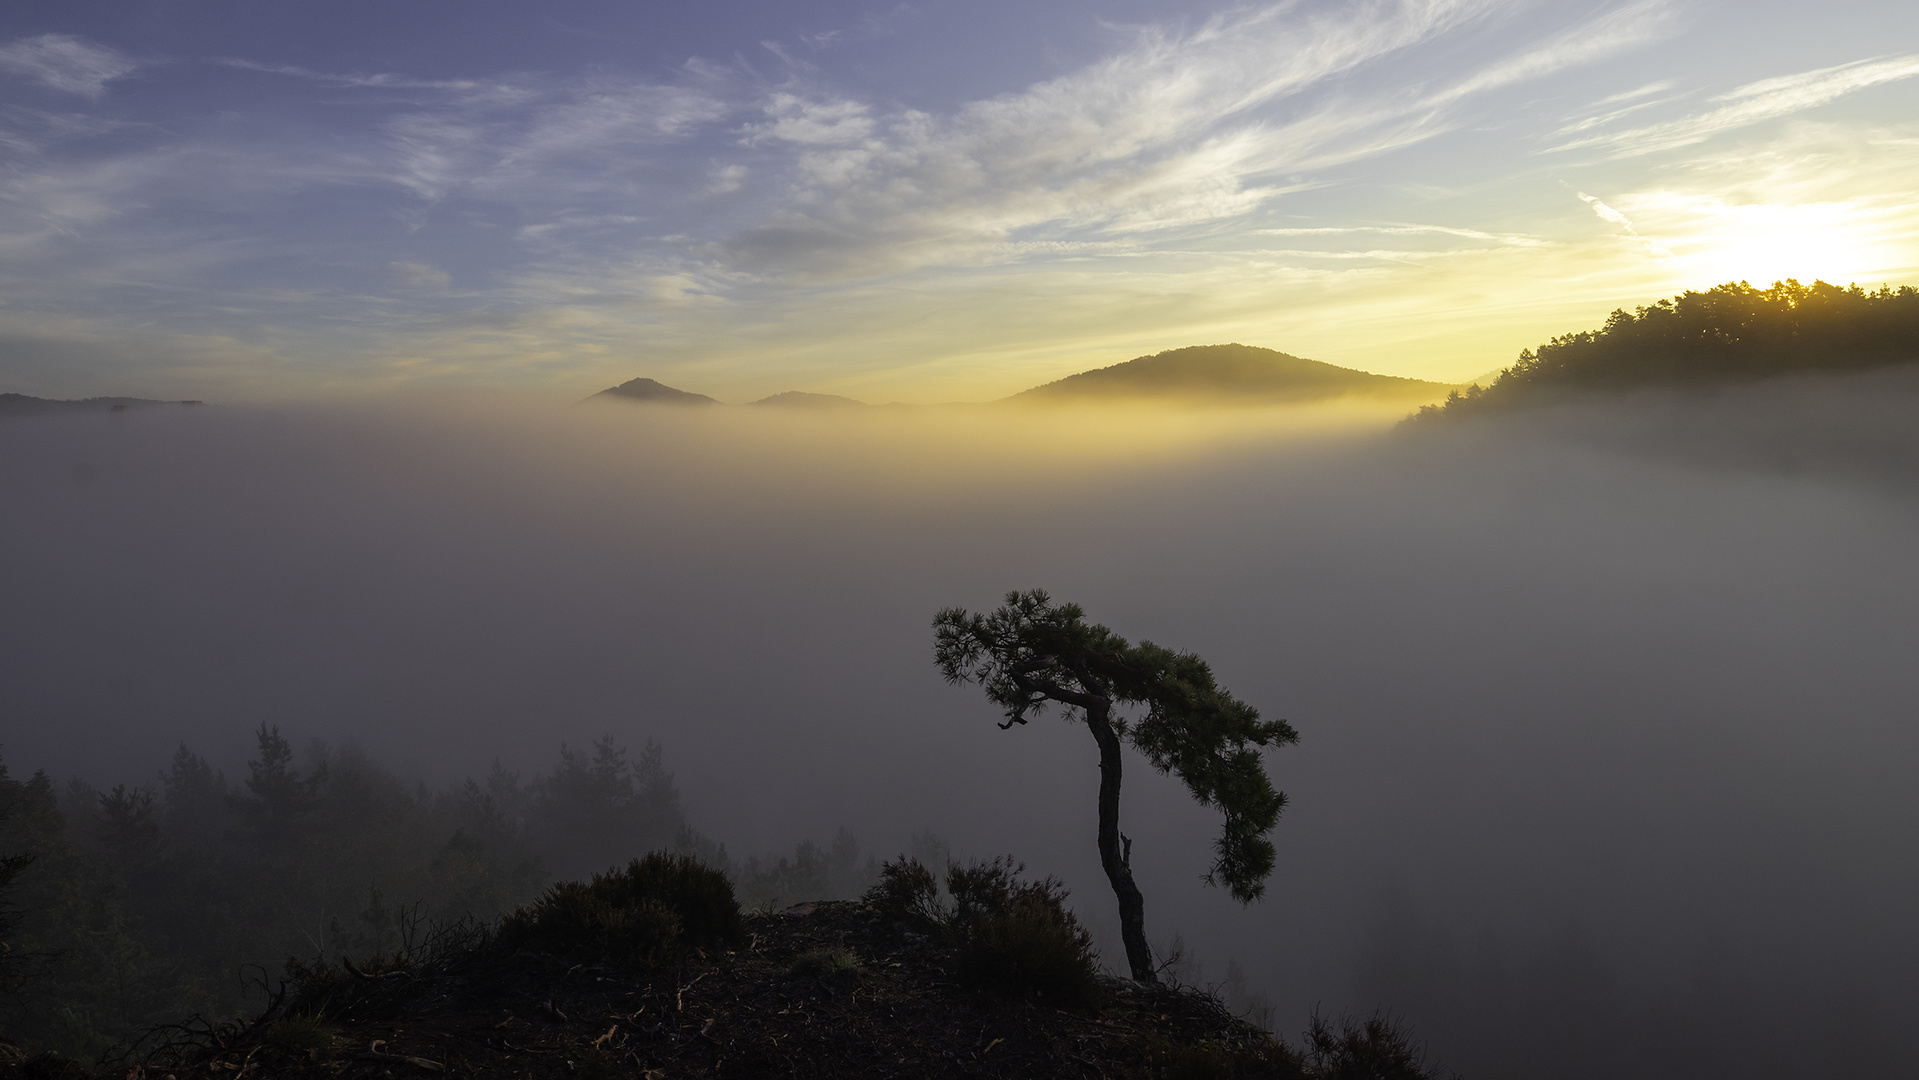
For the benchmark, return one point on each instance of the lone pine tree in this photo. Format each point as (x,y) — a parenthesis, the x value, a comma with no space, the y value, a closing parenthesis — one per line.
(1032,653)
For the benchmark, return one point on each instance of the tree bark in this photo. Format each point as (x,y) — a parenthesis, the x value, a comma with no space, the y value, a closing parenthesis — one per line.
(1132,906)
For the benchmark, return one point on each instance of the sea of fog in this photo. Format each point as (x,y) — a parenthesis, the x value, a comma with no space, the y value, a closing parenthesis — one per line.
(1607,711)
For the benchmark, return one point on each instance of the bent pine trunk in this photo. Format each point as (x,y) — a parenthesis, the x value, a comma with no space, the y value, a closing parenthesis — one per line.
(1132,906)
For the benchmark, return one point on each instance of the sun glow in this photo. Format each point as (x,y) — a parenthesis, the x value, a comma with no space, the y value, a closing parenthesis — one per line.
(1840,242)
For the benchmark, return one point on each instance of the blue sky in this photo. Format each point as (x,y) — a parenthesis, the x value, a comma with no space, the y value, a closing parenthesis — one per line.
(922,202)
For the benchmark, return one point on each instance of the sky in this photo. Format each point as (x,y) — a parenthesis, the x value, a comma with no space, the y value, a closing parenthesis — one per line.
(923,202)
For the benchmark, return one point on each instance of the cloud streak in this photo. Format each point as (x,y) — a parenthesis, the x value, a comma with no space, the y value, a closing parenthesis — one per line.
(1753,103)
(1175,130)
(1402,230)
(382,80)
(1628,26)
(66,63)
(1613,217)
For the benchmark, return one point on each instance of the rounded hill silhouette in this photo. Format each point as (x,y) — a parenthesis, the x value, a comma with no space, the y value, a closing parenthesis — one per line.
(1223,374)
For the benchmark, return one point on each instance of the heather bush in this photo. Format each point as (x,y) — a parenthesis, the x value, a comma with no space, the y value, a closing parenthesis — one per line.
(1008,935)
(644,913)
(1374,1049)
(1030,945)
(907,893)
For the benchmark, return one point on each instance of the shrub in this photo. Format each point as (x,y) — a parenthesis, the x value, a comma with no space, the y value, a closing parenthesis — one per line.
(1033,946)
(906,893)
(645,913)
(987,888)
(1376,1049)
(576,916)
(1270,1061)
(1016,936)
(1010,935)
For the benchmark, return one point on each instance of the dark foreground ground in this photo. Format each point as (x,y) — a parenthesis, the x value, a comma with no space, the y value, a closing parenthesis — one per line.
(787,1003)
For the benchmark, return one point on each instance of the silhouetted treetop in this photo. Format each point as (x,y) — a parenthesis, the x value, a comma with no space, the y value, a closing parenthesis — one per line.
(1734,332)
(1031,653)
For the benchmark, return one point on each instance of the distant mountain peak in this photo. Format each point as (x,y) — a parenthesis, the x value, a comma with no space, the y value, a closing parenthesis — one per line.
(804,399)
(27,405)
(1223,374)
(644,389)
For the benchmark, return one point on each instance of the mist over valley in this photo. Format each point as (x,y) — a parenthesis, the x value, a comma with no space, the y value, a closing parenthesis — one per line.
(1604,764)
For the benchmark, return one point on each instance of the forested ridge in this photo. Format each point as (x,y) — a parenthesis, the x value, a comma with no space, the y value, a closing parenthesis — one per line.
(145,904)
(1731,333)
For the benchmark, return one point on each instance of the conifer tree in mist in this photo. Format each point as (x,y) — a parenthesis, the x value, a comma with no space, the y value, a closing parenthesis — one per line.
(1032,653)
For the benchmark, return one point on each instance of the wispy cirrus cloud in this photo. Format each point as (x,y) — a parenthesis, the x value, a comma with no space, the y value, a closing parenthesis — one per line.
(1753,103)
(66,63)
(1625,27)
(419,275)
(1619,106)
(378,80)
(1613,217)
(538,141)
(1179,129)
(791,118)
(1403,230)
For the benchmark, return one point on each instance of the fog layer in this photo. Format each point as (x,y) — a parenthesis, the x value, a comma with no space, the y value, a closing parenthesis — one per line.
(1607,746)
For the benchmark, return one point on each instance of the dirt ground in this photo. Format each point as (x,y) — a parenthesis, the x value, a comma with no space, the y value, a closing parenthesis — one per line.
(823,990)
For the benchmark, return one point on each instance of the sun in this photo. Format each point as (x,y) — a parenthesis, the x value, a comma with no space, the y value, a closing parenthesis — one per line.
(1839,242)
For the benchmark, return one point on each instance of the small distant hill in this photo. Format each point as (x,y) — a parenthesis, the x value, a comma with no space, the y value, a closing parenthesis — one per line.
(24,405)
(1223,374)
(652,390)
(649,390)
(804,400)
(1728,334)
